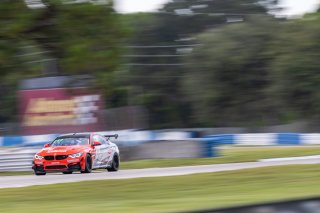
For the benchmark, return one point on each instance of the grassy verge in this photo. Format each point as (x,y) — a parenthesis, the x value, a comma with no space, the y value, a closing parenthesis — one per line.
(226,155)
(16,173)
(167,194)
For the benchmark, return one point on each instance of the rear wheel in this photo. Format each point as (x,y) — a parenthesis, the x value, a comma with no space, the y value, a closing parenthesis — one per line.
(115,164)
(88,166)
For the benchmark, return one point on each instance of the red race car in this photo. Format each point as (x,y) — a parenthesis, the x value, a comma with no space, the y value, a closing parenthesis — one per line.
(78,152)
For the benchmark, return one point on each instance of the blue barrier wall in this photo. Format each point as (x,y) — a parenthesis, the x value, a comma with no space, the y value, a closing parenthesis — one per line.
(12,141)
(267,139)
(136,137)
(223,139)
(288,139)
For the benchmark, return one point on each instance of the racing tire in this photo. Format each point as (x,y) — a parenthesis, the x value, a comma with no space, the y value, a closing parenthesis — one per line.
(88,164)
(37,173)
(67,172)
(115,164)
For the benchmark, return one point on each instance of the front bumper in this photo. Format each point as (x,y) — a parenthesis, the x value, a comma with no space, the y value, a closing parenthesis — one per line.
(56,165)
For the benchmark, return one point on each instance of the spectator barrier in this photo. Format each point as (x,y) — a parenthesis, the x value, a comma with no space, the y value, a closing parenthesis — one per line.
(135,145)
(133,137)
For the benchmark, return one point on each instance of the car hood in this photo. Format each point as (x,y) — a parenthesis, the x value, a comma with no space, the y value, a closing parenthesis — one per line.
(63,150)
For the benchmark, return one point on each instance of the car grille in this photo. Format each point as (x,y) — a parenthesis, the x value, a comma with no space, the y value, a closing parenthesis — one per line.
(61,157)
(58,157)
(56,167)
(49,157)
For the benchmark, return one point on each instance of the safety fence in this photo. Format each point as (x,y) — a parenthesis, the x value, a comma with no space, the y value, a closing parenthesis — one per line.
(17,159)
(20,158)
(17,151)
(266,139)
(136,136)
(125,136)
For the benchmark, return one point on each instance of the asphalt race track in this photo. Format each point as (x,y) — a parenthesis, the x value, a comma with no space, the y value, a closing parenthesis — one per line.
(32,180)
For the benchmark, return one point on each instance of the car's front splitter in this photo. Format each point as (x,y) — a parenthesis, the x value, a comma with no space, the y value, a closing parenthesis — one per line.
(56,166)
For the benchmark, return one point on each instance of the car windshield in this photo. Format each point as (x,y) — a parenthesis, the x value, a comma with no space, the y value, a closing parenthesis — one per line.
(71,141)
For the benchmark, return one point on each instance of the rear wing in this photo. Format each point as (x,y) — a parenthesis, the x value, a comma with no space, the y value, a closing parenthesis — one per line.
(112,136)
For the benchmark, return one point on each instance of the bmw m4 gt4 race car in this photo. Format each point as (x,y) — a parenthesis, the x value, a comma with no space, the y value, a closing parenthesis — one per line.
(78,152)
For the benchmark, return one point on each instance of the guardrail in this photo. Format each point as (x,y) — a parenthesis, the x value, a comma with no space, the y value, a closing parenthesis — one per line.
(136,145)
(266,139)
(20,159)
(125,136)
(16,159)
(132,137)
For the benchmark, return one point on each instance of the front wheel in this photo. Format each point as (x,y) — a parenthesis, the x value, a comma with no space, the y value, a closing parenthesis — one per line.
(115,164)
(37,173)
(88,164)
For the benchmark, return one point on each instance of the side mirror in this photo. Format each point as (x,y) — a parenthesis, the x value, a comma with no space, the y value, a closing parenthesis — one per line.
(47,145)
(97,143)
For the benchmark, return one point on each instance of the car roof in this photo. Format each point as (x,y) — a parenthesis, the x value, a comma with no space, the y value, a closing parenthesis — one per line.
(76,134)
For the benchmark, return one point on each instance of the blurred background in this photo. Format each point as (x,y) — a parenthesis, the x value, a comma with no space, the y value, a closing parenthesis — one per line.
(102,65)
(226,72)
(222,72)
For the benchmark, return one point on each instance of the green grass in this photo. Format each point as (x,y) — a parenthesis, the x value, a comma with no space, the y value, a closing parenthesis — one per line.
(167,194)
(15,173)
(226,155)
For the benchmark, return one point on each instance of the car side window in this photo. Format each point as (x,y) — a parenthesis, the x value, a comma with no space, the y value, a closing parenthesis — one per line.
(96,138)
(104,140)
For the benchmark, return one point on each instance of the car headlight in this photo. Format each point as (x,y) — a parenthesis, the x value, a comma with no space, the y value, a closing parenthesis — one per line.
(38,157)
(77,155)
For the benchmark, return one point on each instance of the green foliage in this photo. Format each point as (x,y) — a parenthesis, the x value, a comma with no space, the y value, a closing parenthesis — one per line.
(257,71)
(154,86)
(228,75)
(14,20)
(84,38)
(295,70)
(90,37)
(159,87)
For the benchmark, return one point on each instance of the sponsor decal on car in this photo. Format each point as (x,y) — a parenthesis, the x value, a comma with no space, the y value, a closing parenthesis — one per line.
(55,151)
(54,163)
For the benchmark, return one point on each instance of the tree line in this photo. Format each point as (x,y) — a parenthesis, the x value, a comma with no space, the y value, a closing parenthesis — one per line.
(192,64)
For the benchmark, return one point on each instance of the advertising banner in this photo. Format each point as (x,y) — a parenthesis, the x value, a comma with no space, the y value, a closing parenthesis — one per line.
(58,110)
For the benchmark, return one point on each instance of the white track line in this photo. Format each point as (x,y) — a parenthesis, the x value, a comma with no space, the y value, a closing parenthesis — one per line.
(31,180)
(291,158)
